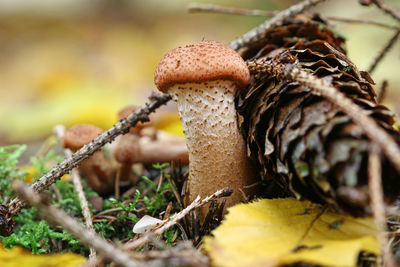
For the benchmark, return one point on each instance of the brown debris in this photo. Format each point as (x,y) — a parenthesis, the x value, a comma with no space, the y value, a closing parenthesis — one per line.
(302,142)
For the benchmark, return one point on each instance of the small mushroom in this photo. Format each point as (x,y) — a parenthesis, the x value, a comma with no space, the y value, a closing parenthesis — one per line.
(203,79)
(146,145)
(133,149)
(99,172)
(145,224)
(126,153)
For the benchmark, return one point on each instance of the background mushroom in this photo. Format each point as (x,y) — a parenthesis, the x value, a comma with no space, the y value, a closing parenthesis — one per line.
(99,172)
(203,79)
(147,145)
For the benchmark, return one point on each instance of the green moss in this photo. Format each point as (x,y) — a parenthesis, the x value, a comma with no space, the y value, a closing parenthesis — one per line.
(119,215)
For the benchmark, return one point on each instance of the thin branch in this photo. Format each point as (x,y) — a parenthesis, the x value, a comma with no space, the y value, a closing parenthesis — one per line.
(183,254)
(382,92)
(362,21)
(384,51)
(309,227)
(387,9)
(56,216)
(59,130)
(108,136)
(259,32)
(323,87)
(165,225)
(200,7)
(378,205)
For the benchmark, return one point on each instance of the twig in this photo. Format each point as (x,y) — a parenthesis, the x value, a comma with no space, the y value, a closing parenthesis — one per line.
(387,9)
(117,180)
(57,192)
(56,216)
(259,32)
(362,21)
(183,254)
(59,130)
(165,225)
(200,7)
(323,87)
(309,227)
(384,51)
(68,164)
(378,205)
(197,203)
(382,92)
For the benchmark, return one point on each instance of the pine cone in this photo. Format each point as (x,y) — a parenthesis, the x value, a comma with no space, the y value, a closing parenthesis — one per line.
(302,142)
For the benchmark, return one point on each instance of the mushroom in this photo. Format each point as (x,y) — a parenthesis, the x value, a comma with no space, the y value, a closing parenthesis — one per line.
(133,149)
(145,224)
(147,147)
(203,79)
(99,172)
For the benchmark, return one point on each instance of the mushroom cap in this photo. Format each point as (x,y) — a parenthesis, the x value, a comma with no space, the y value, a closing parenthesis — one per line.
(145,223)
(202,62)
(79,135)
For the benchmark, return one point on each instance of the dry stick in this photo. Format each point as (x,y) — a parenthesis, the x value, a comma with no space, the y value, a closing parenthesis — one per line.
(396,15)
(378,205)
(116,186)
(200,7)
(108,136)
(387,9)
(183,254)
(259,32)
(59,130)
(362,21)
(382,92)
(56,216)
(165,225)
(323,87)
(385,50)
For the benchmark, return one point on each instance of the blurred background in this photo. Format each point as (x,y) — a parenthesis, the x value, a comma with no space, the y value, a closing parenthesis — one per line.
(80,61)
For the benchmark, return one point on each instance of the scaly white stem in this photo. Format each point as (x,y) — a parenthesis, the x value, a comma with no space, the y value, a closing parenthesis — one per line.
(217,151)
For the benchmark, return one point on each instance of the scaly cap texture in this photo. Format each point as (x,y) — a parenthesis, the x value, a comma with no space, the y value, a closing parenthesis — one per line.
(205,61)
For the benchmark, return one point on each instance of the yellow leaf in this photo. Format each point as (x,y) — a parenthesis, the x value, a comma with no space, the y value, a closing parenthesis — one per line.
(18,257)
(273,232)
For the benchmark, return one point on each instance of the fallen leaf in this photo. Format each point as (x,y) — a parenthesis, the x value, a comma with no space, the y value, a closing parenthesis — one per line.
(17,257)
(273,232)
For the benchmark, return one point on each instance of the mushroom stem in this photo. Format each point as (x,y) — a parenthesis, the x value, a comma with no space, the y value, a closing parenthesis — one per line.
(217,152)
(171,149)
(203,79)
(98,171)
(133,149)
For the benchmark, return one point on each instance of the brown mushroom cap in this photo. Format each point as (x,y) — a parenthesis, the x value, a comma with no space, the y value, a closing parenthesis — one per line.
(202,62)
(79,135)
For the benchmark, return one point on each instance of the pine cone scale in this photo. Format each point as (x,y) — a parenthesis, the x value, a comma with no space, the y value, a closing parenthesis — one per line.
(302,143)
